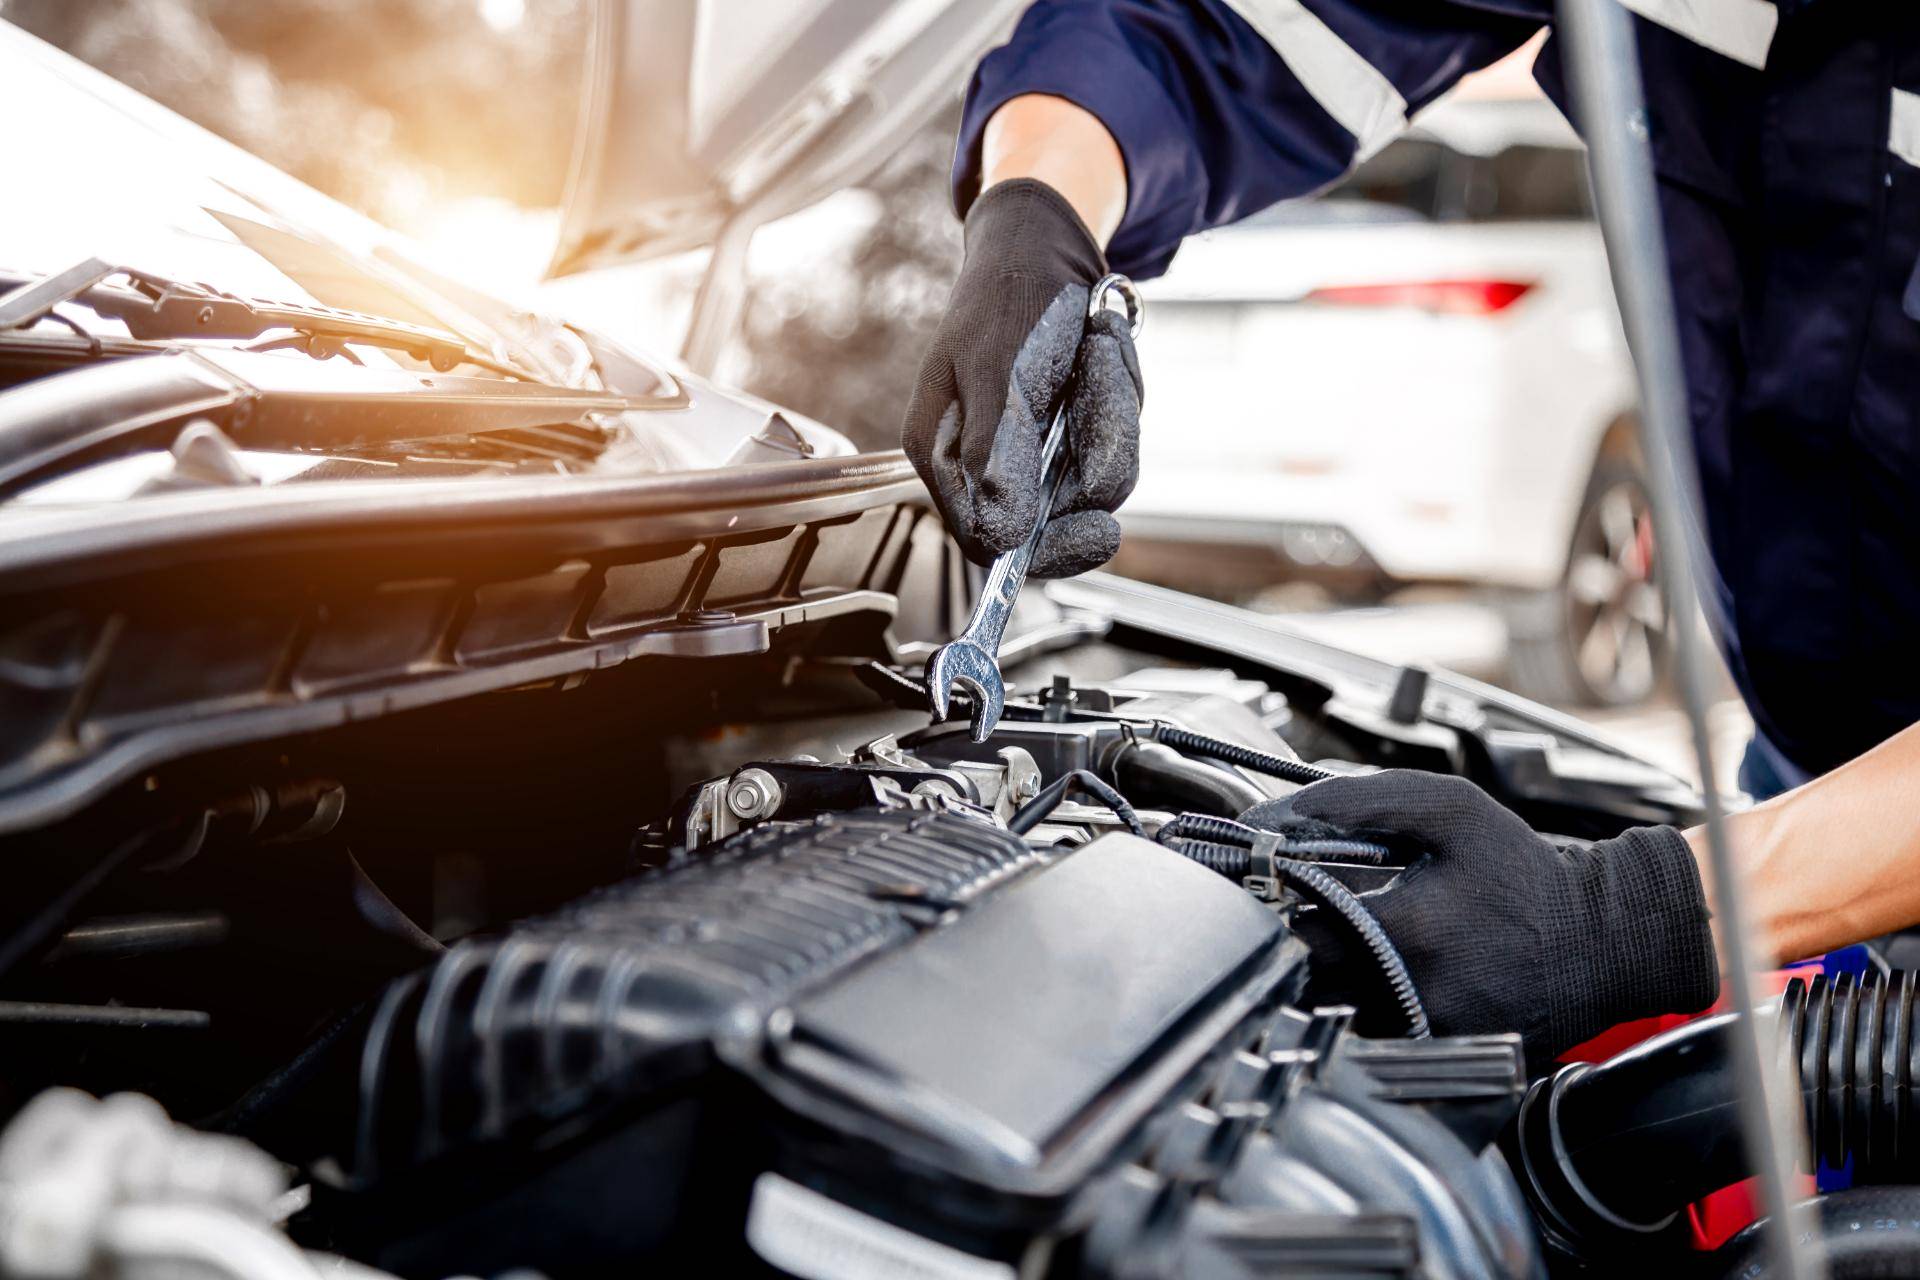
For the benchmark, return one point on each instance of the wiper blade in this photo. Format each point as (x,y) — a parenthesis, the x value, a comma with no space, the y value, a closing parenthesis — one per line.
(155,308)
(23,304)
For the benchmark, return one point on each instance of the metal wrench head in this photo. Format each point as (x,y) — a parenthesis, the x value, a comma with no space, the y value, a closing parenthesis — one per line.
(965,663)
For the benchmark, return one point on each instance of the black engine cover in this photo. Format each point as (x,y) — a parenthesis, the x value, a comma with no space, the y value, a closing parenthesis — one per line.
(884,1044)
(1019,1016)
(895,1007)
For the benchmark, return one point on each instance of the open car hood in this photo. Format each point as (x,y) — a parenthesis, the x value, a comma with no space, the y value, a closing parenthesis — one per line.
(696,112)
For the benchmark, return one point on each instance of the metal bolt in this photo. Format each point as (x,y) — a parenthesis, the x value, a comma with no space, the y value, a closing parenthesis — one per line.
(753,794)
(936,787)
(746,798)
(1023,774)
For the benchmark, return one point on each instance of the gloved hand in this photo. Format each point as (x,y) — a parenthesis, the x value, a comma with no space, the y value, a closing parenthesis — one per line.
(997,362)
(1503,930)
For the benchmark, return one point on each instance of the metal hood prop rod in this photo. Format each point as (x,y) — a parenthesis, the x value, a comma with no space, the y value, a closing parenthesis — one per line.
(1604,65)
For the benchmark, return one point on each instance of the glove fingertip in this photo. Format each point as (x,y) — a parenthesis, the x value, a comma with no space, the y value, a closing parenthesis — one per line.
(1005,477)
(1111,331)
(1005,516)
(1104,424)
(1074,544)
(1045,359)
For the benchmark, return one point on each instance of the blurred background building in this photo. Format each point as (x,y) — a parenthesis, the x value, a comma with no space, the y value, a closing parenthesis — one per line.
(1409,395)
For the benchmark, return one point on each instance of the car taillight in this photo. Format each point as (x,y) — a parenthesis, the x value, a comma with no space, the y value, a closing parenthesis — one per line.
(1443,297)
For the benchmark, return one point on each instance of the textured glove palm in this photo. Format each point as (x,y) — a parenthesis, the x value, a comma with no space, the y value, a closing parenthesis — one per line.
(1011,335)
(1504,930)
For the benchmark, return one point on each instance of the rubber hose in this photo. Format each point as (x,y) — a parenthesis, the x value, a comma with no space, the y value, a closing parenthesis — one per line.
(1622,1146)
(1864,1234)
(1035,811)
(1858,1056)
(1187,742)
(1321,889)
(1153,772)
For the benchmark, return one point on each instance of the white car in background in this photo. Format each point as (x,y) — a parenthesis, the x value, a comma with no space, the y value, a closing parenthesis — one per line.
(1417,377)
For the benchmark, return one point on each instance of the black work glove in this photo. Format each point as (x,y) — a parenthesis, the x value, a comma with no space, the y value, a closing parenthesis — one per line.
(997,362)
(1504,930)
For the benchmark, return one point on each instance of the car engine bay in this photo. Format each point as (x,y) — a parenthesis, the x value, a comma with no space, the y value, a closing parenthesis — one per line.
(715,953)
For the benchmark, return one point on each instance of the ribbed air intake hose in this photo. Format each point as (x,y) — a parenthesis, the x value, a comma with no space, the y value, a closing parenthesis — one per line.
(1857,1057)
(1617,1149)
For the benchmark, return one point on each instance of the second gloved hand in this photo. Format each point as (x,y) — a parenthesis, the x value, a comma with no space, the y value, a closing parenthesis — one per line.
(1502,929)
(1011,336)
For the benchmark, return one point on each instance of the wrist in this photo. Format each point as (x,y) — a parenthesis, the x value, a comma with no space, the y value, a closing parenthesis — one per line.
(1066,147)
(1665,874)
(1792,915)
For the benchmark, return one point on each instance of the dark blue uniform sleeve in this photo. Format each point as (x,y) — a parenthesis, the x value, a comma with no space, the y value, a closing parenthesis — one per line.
(1223,107)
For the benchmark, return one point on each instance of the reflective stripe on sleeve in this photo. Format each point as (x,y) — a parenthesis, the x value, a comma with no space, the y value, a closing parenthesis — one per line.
(1740,29)
(1347,86)
(1903,131)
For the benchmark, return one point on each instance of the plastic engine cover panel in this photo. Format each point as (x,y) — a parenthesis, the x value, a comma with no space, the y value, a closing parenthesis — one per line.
(1027,1009)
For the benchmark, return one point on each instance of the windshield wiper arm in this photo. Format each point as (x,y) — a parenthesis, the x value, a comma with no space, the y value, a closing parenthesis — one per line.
(155,308)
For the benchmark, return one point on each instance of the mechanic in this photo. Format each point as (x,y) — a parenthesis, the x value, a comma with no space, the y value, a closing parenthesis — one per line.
(1786,140)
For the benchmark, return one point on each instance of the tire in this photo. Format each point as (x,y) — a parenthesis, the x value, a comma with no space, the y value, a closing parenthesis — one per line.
(1600,637)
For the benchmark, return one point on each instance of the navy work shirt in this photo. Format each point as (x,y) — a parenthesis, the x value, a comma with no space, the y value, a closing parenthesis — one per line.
(1787,143)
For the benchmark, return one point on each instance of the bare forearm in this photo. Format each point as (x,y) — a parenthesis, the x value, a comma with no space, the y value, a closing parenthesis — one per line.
(1835,861)
(1064,146)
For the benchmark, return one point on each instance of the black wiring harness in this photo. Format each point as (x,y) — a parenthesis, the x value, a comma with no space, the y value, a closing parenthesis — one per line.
(1229,848)
(1205,826)
(1035,811)
(1189,743)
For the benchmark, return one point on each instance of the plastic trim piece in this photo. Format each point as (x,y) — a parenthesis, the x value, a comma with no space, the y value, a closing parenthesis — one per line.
(817,1237)
(139,634)
(47,546)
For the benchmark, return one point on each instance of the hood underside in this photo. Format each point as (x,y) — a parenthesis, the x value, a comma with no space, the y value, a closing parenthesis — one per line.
(697,113)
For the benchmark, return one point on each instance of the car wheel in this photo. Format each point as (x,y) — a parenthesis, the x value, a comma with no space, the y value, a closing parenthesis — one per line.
(1600,636)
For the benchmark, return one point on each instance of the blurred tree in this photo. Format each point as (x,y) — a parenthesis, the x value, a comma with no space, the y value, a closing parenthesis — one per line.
(842,343)
(387,104)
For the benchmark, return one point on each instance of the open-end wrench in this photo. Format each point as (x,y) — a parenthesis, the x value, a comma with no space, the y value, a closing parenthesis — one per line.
(972,659)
